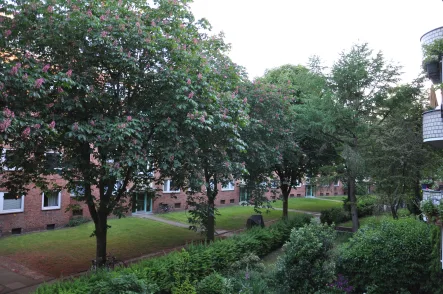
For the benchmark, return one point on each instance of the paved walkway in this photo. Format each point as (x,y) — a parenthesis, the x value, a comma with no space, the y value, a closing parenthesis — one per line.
(15,281)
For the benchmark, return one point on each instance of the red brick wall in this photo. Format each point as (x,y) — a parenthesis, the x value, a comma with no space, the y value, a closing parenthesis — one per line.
(33,217)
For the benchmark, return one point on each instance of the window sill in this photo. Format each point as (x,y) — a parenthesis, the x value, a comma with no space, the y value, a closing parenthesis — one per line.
(51,208)
(225,190)
(11,211)
(171,192)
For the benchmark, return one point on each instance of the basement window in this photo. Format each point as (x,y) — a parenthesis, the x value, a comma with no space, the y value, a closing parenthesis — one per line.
(232,201)
(50,227)
(222,201)
(177,205)
(16,231)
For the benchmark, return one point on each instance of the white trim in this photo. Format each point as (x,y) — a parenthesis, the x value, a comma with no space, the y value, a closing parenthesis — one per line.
(3,159)
(338,183)
(2,194)
(167,187)
(433,139)
(55,152)
(52,207)
(229,187)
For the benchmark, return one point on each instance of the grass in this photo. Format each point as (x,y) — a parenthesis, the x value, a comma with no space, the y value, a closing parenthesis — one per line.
(67,251)
(336,198)
(308,204)
(366,220)
(230,218)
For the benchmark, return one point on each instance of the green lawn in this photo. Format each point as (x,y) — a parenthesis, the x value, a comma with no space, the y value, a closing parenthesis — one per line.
(230,218)
(66,251)
(337,198)
(308,204)
(366,220)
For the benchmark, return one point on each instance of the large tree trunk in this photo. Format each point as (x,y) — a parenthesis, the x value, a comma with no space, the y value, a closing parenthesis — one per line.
(285,204)
(353,202)
(210,228)
(101,228)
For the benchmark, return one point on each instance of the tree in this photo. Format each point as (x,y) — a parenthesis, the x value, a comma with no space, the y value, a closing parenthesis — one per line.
(210,136)
(278,143)
(105,85)
(360,84)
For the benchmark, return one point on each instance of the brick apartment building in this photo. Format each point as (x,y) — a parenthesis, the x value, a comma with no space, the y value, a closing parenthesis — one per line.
(46,211)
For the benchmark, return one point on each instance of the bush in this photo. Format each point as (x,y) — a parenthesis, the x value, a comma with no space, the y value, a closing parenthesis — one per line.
(77,221)
(393,255)
(366,205)
(123,284)
(214,284)
(179,272)
(308,264)
(334,215)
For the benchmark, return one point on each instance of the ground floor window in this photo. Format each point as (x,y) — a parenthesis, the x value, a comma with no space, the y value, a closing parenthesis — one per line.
(10,203)
(51,200)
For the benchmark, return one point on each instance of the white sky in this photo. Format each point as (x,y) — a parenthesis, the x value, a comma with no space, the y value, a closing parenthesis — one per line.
(267,34)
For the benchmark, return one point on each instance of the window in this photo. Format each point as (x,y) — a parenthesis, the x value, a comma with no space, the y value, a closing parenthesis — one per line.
(10,203)
(7,159)
(274,185)
(222,201)
(337,183)
(117,187)
(78,191)
(177,205)
(232,201)
(228,187)
(53,161)
(168,187)
(51,200)
(297,184)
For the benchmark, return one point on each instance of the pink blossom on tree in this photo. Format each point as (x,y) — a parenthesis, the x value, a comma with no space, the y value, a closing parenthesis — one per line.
(26,132)
(46,67)
(52,125)
(39,82)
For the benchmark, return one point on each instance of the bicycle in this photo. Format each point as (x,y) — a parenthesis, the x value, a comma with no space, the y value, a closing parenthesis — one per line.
(111,263)
(164,208)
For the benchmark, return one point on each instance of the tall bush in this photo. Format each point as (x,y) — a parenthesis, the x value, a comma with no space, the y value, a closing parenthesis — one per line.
(308,264)
(389,257)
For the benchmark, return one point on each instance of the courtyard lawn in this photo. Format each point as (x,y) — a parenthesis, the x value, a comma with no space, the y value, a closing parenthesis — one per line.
(230,218)
(337,198)
(366,220)
(67,251)
(308,204)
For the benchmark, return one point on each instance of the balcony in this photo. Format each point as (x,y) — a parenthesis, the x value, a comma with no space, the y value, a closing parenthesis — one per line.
(433,128)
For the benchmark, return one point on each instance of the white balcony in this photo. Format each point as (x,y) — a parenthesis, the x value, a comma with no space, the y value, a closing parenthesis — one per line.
(433,128)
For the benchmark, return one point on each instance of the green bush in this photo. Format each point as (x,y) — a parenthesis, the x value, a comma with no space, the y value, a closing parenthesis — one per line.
(308,264)
(334,215)
(178,271)
(391,256)
(77,221)
(123,284)
(214,284)
(366,205)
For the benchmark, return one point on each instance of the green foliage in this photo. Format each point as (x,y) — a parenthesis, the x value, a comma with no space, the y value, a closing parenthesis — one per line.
(214,284)
(73,222)
(181,270)
(252,281)
(123,284)
(334,215)
(366,205)
(394,255)
(432,51)
(308,263)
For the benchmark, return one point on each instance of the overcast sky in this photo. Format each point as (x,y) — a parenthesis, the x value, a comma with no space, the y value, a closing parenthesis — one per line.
(267,34)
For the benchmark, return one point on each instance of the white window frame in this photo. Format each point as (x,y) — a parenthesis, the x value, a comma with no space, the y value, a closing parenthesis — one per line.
(52,152)
(72,192)
(167,187)
(337,183)
(2,194)
(3,159)
(52,207)
(229,187)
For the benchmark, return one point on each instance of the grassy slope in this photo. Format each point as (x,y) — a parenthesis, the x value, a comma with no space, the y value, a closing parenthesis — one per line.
(231,218)
(309,204)
(66,251)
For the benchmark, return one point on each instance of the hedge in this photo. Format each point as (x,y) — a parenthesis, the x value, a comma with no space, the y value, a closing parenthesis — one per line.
(165,274)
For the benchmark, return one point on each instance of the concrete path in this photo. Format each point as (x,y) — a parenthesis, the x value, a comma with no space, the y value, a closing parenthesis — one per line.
(14,282)
(302,211)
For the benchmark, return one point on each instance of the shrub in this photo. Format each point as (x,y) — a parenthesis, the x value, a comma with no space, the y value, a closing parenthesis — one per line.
(392,255)
(123,284)
(77,221)
(214,284)
(366,205)
(334,215)
(307,265)
(251,281)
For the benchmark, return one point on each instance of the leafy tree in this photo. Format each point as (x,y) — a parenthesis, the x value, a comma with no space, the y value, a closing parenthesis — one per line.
(279,145)
(210,138)
(397,153)
(104,84)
